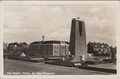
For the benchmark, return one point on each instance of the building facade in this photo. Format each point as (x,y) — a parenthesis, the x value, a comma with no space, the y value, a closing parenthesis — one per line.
(5,46)
(99,49)
(48,48)
(113,53)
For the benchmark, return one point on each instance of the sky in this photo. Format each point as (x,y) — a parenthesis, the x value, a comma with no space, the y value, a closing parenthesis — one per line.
(29,22)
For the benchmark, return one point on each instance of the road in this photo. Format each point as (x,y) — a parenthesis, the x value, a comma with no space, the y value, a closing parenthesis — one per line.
(18,67)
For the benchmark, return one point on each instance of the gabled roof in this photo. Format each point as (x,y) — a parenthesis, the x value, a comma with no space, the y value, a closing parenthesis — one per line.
(98,44)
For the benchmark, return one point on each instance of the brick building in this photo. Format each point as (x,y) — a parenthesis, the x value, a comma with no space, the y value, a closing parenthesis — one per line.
(99,49)
(48,48)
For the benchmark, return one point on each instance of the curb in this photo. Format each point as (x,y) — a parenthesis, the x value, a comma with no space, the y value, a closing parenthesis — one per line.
(99,69)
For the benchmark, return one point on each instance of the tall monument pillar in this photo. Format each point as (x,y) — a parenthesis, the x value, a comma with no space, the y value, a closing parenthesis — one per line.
(78,46)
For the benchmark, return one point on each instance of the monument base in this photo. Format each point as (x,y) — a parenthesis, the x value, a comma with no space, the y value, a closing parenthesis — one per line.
(78,58)
(75,60)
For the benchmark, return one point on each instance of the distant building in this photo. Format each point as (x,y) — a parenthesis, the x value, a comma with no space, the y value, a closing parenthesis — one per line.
(16,49)
(99,49)
(48,48)
(12,47)
(23,47)
(5,49)
(113,52)
(5,45)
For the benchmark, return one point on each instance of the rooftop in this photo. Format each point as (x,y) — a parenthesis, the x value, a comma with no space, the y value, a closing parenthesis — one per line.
(49,42)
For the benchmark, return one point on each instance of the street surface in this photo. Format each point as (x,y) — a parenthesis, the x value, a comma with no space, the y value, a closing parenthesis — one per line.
(106,66)
(19,67)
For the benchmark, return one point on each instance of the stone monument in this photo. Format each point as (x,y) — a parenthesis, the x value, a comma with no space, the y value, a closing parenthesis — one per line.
(78,46)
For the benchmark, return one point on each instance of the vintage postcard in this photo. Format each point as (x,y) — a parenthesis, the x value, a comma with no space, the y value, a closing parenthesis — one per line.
(53,39)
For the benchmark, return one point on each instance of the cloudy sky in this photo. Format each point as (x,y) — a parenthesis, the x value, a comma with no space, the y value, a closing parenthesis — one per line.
(28,22)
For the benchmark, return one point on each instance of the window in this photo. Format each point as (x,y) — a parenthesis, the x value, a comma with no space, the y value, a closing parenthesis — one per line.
(96,49)
(95,45)
(99,52)
(15,45)
(101,49)
(102,46)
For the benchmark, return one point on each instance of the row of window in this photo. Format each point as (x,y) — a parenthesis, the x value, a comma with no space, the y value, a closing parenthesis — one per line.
(49,52)
(102,46)
(108,50)
(41,47)
(42,52)
(48,47)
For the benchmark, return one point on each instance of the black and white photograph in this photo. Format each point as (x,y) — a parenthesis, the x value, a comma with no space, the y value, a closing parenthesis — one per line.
(62,38)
